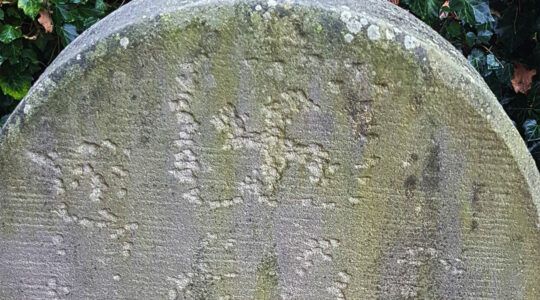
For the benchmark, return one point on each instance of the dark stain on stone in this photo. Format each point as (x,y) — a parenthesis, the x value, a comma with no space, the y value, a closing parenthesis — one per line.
(210,41)
(332,24)
(410,186)
(414,157)
(474,225)
(476,195)
(418,102)
(432,172)
(423,60)
(361,113)
(475,204)
(283,12)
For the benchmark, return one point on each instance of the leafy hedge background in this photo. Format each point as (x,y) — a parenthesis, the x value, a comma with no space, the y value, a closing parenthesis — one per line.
(32,33)
(498,37)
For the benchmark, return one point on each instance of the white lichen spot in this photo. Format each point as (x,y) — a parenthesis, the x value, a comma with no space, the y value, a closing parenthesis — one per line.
(172,295)
(364,21)
(126,249)
(348,37)
(354,200)
(27,108)
(373,32)
(121,193)
(116,277)
(390,34)
(258,7)
(78,57)
(351,21)
(354,26)
(124,42)
(346,15)
(409,42)
(57,239)
(272,3)
(266,15)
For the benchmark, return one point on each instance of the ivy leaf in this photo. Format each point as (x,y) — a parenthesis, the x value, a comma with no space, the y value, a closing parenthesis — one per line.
(492,63)
(1,14)
(427,10)
(102,7)
(532,130)
(504,73)
(454,29)
(30,7)
(478,60)
(9,33)
(484,35)
(15,88)
(533,95)
(68,32)
(3,120)
(12,51)
(473,12)
(470,38)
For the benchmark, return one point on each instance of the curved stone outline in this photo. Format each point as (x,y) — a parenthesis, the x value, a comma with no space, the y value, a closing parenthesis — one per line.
(423,49)
(363,16)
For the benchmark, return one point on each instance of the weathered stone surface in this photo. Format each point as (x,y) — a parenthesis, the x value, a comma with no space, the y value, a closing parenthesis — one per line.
(299,149)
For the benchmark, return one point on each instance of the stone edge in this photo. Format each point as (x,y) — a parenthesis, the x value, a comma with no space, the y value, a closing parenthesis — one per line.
(443,57)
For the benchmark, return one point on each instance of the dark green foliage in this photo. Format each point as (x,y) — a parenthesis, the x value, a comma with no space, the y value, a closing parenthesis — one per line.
(494,35)
(26,49)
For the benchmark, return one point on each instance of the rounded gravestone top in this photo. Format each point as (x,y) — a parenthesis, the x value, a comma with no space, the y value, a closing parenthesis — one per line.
(277,149)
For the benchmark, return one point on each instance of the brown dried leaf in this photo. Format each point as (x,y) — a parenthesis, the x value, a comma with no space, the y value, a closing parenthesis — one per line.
(444,15)
(396,2)
(522,78)
(45,20)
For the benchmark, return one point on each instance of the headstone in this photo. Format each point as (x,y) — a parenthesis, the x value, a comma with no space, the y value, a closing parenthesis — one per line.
(241,149)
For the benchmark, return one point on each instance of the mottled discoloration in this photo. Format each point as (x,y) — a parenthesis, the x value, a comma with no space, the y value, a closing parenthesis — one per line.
(253,149)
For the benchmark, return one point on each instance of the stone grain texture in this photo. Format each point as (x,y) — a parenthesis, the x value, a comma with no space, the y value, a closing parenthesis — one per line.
(267,150)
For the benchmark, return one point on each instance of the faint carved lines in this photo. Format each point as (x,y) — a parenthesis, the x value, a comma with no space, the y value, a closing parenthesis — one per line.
(233,126)
(340,285)
(49,163)
(97,181)
(186,164)
(252,187)
(55,290)
(57,241)
(309,202)
(184,283)
(98,185)
(87,170)
(317,249)
(104,220)
(277,150)
(180,283)
(365,169)
(419,256)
